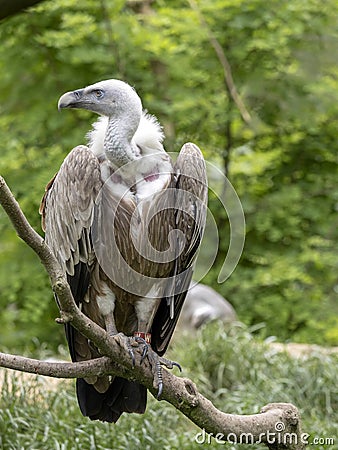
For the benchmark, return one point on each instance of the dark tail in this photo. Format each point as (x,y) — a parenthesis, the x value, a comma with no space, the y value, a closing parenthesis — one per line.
(122,396)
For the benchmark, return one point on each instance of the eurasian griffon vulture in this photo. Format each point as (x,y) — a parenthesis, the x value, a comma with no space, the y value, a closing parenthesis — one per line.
(125,223)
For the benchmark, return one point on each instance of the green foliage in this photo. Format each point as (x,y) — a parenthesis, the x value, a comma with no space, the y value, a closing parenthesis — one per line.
(283,166)
(239,374)
(33,416)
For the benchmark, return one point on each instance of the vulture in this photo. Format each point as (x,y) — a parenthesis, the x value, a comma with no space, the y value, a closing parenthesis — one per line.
(125,222)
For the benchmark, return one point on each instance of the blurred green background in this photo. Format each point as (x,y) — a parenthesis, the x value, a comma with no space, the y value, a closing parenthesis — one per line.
(283,163)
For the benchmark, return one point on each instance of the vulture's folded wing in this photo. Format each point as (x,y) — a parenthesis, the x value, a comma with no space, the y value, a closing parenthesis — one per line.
(191,191)
(67,210)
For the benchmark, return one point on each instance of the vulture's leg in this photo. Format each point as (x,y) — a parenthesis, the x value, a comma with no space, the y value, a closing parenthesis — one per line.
(145,309)
(106,305)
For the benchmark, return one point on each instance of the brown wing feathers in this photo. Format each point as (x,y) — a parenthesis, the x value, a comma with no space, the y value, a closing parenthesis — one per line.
(191,197)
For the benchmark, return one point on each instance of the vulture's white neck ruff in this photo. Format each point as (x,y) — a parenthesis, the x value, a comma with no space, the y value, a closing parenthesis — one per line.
(153,168)
(148,136)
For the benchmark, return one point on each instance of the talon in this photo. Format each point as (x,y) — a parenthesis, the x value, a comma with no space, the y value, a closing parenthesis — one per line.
(177,365)
(131,351)
(140,339)
(144,353)
(160,389)
(169,364)
(159,378)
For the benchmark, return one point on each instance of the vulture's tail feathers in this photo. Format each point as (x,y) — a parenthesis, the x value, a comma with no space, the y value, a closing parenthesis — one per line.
(122,396)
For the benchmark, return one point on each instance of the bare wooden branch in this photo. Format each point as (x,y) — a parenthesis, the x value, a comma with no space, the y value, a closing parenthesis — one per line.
(56,369)
(277,425)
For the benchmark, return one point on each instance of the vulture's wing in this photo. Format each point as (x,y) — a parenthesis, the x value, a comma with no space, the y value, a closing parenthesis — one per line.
(67,210)
(191,191)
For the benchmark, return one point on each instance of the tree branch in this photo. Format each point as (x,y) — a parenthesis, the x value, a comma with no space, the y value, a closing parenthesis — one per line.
(99,366)
(277,426)
(229,81)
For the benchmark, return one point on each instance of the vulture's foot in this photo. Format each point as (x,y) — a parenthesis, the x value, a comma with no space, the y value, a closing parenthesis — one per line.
(131,343)
(156,363)
(127,343)
(145,346)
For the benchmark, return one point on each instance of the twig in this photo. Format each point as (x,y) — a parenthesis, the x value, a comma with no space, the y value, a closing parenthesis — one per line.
(224,63)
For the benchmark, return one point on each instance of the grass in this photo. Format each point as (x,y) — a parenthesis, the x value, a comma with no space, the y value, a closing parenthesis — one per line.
(235,370)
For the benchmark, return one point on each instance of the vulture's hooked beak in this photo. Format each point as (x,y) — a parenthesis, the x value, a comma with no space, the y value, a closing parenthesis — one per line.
(72,99)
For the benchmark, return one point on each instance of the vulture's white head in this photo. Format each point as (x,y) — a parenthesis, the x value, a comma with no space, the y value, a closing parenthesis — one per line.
(119,102)
(112,98)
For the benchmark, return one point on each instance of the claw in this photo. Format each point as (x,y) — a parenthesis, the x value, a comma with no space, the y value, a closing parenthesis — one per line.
(177,365)
(169,364)
(144,353)
(145,347)
(131,352)
(160,389)
(159,378)
(157,362)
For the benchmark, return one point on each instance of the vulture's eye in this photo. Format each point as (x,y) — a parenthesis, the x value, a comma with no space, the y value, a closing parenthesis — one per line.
(98,93)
